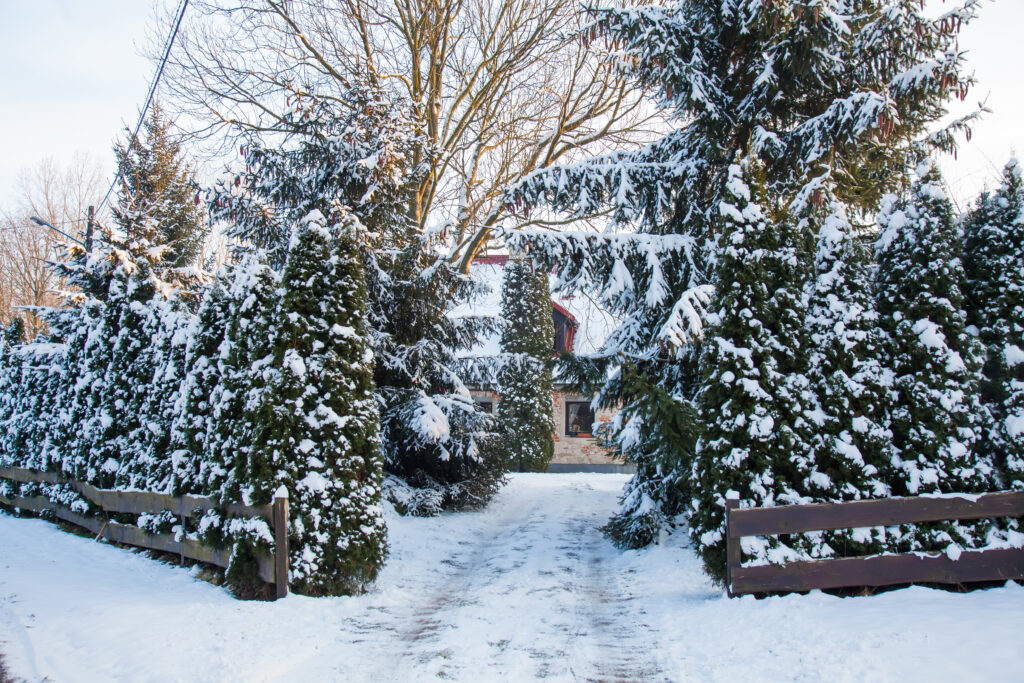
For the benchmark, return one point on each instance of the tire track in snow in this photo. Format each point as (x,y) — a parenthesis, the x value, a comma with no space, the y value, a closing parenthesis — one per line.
(535,591)
(616,645)
(414,633)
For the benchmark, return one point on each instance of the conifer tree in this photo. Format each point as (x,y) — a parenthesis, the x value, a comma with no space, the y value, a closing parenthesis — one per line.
(158,196)
(851,444)
(158,412)
(9,393)
(119,448)
(525,413)
(193,425)
(754,442)
(365,164)
(937,419)
(824,94)
(15,332)
(994,264)
(243,356)
(317,423)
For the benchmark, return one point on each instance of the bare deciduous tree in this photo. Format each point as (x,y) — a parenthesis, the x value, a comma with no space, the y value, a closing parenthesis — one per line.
(60,196)
(502,87)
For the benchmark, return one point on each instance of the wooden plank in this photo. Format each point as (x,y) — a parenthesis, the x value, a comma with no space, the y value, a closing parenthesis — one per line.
(136,502)
(789,519)
(30,503)
(27,476)
(733,557)
(881,570)
(195,550)
(133,535)
(281,546)
(91,523)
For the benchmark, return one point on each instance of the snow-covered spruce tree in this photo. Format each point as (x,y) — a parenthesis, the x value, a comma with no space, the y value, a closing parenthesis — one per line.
(193,424)
(851,443)
(526,418)
(937,418)
(157,187)
(824,93)
(754,444)
(367,163)
(317,422)
(994,265)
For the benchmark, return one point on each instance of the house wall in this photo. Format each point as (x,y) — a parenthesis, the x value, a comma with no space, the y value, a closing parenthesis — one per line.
(569,450)
(577,450)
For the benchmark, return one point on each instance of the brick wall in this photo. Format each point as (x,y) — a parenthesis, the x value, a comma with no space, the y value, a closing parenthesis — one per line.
(570,450)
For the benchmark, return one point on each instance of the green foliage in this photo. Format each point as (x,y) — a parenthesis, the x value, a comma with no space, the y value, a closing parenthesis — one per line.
(937,418)
(525,413)
(15,332)
(432,431)
(191,433)
(158,197)
(994,265)
(850,448)
(316,424)
(754,442)
(660,490)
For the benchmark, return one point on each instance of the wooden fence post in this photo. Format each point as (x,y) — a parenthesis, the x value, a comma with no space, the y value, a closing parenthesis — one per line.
(732,545)
(281,541)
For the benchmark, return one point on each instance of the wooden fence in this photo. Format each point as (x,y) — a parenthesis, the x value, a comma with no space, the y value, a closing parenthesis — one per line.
(272,568)
(876,570)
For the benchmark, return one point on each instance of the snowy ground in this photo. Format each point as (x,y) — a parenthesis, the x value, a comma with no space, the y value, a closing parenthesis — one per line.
(526,589)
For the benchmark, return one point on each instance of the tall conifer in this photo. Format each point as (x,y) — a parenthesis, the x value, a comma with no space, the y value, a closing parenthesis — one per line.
(158,196)
(754,444)
(525,413)
(937,418)
(994,264)
(317,423)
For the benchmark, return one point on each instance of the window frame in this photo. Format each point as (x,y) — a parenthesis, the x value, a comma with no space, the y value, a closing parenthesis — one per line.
(482,401)
(580,435)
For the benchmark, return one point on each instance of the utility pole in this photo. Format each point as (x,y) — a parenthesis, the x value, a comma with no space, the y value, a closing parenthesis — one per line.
(88,231)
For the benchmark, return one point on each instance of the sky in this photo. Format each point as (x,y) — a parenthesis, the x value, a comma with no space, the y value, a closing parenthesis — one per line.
(72,75)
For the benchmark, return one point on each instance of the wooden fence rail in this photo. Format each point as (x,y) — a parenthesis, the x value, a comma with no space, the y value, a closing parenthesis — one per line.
(272,569)
(876,570)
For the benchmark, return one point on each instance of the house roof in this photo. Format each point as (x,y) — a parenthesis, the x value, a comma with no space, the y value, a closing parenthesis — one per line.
(593,322)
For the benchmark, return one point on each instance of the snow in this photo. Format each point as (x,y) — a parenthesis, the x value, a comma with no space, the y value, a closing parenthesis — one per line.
(1014,355)
(525,589)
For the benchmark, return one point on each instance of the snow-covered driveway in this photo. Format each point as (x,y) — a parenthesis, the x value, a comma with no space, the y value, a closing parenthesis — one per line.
(526,589)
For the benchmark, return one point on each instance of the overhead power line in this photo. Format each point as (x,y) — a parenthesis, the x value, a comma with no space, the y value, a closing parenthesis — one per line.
(178,16)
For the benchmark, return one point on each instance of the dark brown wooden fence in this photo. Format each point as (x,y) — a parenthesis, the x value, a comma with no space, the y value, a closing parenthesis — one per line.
(272,568)
(876,570)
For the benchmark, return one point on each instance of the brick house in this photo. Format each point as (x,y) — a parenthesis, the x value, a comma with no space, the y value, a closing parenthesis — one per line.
(581,326)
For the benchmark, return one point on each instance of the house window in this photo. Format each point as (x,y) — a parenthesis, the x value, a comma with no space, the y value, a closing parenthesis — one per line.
(485,404)
(565,330)
(579,418)
(561,331)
